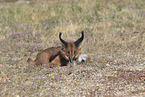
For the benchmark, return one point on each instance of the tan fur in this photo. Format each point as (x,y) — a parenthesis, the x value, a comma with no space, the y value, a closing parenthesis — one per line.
(44,56)
(58,56)
(71,49)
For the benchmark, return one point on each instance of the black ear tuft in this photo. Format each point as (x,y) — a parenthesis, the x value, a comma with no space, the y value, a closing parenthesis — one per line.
(63,42)
(60,33)
(78,42)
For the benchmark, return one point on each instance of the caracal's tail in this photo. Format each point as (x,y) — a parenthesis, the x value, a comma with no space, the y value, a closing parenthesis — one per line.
(30,61)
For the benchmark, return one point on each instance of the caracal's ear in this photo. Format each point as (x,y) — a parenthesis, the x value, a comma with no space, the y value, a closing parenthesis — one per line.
(64,43)
(79,41)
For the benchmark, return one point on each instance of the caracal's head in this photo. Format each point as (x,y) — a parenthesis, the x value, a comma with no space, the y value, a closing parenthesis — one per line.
(71,50)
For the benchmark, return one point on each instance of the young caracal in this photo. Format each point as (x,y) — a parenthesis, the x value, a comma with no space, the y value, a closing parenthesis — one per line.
(59,56)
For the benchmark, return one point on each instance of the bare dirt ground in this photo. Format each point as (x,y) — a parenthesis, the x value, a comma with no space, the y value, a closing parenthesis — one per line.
(114,39)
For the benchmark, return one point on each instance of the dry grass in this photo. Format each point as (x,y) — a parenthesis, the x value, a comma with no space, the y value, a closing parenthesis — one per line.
(114,39)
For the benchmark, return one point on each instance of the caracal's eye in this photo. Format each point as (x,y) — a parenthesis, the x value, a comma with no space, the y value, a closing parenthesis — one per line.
(68,52)
(74,52)
(75,55)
